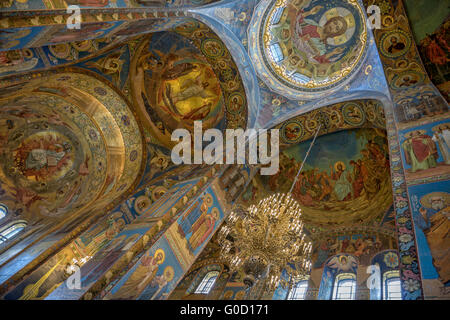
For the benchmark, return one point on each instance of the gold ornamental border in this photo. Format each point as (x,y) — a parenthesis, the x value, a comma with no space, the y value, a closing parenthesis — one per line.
(314,84)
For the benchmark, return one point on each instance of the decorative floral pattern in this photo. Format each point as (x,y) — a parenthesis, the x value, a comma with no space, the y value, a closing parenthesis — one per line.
(391,260)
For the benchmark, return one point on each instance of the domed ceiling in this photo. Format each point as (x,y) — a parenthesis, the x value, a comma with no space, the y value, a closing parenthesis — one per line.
(342,183)
(186,75)
(345,182)
(308,47)
(65,141)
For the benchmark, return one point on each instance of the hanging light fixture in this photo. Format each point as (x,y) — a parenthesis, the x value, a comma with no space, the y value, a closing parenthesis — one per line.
(268,238)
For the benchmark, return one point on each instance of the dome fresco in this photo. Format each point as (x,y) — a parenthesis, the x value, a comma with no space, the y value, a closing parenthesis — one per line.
(86,172)
(310,46)
(340,184)
(183,76)
(46,162)
(64,143)
(176,85)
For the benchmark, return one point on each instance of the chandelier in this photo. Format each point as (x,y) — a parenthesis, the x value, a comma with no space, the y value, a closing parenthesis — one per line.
(267,238)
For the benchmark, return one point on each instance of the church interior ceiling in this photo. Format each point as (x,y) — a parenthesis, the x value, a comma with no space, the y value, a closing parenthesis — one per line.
(334,189)
(60,4)
(310,47)
(361,125)
(184,76)
(431,34)
(97,126)
(66,142)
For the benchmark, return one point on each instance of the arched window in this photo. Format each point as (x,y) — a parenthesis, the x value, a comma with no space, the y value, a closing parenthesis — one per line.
(392,286)
(11,230)
(207,283)
(386,277)
(3,210)
(277,54)
(298,291)
(337,269)
(277,15)
(344,287)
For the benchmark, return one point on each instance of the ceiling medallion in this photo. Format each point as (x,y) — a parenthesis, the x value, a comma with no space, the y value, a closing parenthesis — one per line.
(312,45)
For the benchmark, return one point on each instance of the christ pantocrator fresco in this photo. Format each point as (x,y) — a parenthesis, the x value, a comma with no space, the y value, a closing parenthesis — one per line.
(318,42)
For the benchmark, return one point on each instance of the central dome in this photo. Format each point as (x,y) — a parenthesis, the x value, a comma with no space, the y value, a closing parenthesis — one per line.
(311,46)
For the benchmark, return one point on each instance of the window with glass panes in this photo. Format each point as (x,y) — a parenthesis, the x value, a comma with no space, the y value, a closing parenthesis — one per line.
(392,285)
(298,291)
(207,282)
(344,287)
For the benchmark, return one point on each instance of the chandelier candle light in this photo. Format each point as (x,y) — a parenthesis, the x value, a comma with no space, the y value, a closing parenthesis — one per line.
(268,238)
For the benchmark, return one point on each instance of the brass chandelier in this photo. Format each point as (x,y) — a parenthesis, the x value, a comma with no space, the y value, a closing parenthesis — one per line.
(268,238)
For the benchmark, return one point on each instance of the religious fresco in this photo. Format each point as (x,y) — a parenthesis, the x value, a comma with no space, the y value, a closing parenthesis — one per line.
(47,157)
(174,3)
(18,61)
(430,31)
(311,35)
(114,65)
(47,31)
(99,247)
(36,36)
(426,151)
(70,140)
(342,263)
(149,279)
(72,51)
(180,83)
(182,89)
(125,122)
(15,38)
(152,219)
(60,4)
(395,44)
(238,60)
(362,246)
(416,100)
(60,34)
(309,46)
(143,211)
(110,65)
(430,207)
(347,115)
(416,104)
(236,18)
(333,188)
(158,271)
(195,226)
(158,162)
(24,60)
(301,129)
(225,68)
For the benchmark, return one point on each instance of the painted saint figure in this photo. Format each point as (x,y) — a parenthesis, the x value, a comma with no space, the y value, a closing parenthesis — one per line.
(140,278)
(357,182)
(342,188)
(312,39)
(203,228)
(420,150)
(442,138)
(395,46)
(434,221)
(40,158)
(189,88)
